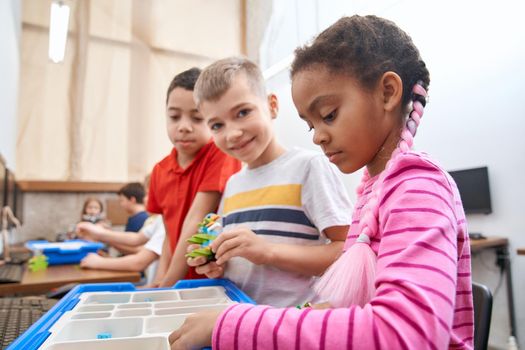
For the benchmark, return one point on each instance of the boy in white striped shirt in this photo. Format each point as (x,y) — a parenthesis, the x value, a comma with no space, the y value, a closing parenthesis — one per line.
(286,213)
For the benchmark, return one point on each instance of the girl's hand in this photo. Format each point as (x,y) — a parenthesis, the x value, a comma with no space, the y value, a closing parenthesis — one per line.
(241,242)
(196,332)
(92,261)
(202,266)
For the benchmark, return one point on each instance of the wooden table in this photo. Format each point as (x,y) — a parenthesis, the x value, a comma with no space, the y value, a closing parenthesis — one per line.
(489,242)
(521,251)
(501,246)
(59,275)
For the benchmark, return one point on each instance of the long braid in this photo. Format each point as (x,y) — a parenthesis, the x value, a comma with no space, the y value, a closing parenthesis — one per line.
(370,218)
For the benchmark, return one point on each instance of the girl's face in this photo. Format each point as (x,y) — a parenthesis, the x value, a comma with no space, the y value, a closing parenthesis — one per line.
(349,123)
(93,208)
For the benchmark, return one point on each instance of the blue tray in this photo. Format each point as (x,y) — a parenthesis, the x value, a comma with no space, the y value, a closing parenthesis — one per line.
(36,335)
(67,252)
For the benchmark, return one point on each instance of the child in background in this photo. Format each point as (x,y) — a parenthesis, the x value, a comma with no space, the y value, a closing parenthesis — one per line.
(361,86)
(286,214)
(187,184)
(131,198)
(92,211)
(122,241)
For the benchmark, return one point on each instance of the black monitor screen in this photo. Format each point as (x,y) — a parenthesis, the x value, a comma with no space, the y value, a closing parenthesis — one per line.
(473,186)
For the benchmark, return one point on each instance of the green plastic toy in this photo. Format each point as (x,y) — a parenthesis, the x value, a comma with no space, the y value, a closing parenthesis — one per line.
(208,230)
(37,263)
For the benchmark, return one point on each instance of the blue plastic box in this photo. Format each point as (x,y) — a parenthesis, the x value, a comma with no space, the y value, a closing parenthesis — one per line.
(119,316)
(67,252)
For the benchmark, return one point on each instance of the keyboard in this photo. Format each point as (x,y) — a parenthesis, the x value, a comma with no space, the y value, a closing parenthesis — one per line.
(18,314)
(11,273)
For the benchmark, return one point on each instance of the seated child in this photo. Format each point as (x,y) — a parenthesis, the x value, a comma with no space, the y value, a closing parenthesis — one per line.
(404,281)
(131,198)
(93,211)
(286,214)
(122,241)
(187,184)
(145,258)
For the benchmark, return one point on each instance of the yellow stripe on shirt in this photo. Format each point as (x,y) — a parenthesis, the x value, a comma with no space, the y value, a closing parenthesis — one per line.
(271,195)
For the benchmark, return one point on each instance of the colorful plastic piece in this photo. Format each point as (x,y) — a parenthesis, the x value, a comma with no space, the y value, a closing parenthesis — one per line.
(207,231)
(37,263)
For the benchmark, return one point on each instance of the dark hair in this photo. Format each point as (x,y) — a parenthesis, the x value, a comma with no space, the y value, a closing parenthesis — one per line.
(365,48)
(185,80)
(133,189)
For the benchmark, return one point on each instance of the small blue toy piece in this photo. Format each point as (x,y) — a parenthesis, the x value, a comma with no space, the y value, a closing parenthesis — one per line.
(105,335)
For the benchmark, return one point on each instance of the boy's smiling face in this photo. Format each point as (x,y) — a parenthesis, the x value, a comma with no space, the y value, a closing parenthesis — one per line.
(241,123)
(185,125)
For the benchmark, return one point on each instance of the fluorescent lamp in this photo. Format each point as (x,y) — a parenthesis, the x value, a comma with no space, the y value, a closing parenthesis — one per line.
(58,28)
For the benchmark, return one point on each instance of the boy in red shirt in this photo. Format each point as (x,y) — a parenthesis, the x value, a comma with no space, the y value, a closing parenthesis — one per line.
(187,184)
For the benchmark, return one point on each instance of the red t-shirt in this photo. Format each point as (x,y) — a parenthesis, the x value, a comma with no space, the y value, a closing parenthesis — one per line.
(172,189)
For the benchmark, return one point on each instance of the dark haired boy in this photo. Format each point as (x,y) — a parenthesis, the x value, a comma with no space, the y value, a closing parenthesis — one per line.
(187,184)
(131,198)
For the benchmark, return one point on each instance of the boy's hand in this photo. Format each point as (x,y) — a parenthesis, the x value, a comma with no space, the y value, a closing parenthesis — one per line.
(241,242)
(196,332)
(92,261)
(202,266)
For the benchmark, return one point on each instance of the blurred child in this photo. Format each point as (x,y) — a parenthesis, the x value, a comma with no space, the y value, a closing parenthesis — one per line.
(93,211)
(404,281)
(286,214)
(187,184)
(131,198)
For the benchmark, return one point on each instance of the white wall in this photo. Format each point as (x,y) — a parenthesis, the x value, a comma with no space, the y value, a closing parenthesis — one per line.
(9,68)
(475,52)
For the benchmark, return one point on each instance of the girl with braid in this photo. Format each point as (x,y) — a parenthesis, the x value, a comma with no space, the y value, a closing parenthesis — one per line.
(403,281)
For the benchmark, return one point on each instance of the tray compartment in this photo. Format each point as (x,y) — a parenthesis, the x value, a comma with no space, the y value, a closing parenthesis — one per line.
(148,297)
(90,329)
(108,298)
(201,293)
(164,324)
(150,343)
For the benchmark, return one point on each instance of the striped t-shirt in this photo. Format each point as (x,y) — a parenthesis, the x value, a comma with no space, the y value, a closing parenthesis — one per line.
(290,200)
(424,290)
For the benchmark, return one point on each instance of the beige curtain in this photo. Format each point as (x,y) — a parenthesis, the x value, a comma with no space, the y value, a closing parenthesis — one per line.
(99,115)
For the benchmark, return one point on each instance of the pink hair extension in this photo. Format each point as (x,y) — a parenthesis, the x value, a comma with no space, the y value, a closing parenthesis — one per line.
(350,280)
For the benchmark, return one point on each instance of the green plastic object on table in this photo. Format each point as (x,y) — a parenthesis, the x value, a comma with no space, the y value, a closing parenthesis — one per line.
(37,263)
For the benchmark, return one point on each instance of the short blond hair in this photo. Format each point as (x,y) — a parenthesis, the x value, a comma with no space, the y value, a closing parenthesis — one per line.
(216,79)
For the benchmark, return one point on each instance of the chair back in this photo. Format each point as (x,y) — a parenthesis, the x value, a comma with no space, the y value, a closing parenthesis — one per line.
(482,298)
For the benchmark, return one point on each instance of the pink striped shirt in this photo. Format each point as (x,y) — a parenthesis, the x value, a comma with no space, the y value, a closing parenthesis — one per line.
(424,296)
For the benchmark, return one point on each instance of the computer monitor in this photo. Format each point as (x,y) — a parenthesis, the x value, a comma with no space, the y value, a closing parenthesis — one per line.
(473,186)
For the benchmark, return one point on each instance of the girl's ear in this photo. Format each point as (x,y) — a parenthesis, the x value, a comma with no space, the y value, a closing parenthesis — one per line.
(391,87)
(273,104)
